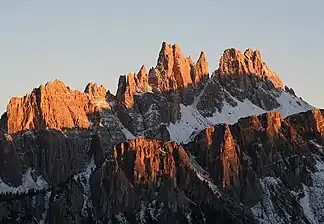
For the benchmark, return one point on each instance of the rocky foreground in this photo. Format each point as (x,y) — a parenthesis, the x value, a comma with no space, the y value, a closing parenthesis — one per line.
(176,144)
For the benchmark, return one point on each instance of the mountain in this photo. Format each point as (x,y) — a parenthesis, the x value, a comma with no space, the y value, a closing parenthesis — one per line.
(175,144)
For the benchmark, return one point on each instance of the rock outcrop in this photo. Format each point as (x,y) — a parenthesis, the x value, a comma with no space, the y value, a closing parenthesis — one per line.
(242,158)
(246,76)
(133,83)
(53,106)
(173,72)
(201,69)
(95,91)
(170,147)
(242,65)
(154,178)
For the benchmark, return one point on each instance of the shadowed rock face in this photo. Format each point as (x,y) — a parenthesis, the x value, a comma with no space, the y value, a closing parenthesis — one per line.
(95,157)
(54,155)
(157,177)
(239,156)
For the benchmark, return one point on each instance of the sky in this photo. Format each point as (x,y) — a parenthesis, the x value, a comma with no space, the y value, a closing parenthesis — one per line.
(82,41)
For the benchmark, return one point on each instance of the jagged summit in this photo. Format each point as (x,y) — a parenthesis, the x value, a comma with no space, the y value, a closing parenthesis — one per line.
(234,63)
(174,145)
(54,105)
(172,72)
(242,80)
(175,71)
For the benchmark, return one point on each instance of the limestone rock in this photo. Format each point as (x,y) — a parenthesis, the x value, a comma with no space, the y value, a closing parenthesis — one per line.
(201,69)
(97,92)
(51,106)
(158,175)
(235,63)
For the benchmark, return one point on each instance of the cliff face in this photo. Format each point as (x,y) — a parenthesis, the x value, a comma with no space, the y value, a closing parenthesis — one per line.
(155,178)
(242,66)
(172,72)
(265,155)
(53,106)
(174,145)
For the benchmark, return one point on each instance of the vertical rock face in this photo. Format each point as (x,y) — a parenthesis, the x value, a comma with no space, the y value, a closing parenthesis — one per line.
(150,160)
(181,68)
(156,177)
(165,60)
(230,164)
(201,69)
(235,63)
(262,154)
(52,106)
(310,123)
(52,154)
(218,153)
(133,83)
(97,157)
(95,91)
(246,76)
(172,72)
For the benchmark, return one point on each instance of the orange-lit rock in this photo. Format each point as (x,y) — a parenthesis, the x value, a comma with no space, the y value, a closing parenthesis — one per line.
(97,92)
(151,158)
(201,69)
(181,68)
(235,63)
(230,163)
(173,72)
(52,106)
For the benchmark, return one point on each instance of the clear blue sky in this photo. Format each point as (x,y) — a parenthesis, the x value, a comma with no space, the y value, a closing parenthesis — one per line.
(79,41)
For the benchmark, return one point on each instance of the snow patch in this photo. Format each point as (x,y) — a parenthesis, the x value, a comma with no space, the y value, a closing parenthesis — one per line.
(47,197)
(203,175)
(312,203)
(231,115)
(127,133)
(290,104)
(84,178)
(191,122)
(110,120)
(28,183)
(151,209)
(305,203)
(265,211)
(120,217)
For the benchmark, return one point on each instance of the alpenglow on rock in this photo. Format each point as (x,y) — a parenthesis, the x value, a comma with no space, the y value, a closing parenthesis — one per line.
(54,106)
(177,143)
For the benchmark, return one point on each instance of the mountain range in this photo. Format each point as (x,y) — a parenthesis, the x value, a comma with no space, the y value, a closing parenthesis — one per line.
(175,144)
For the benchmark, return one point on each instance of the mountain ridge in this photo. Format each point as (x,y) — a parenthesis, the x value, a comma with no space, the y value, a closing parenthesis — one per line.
(175,144)
(179,74)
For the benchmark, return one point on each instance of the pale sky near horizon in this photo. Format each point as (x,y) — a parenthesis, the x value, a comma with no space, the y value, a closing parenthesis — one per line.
(79,41)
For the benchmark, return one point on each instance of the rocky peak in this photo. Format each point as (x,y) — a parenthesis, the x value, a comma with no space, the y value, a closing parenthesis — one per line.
(141,80)
(57,86)
(233,63)
(172,72)
(165,60)
(131,84)
(201,69)
(53,105)
(97,92)
(181,68)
